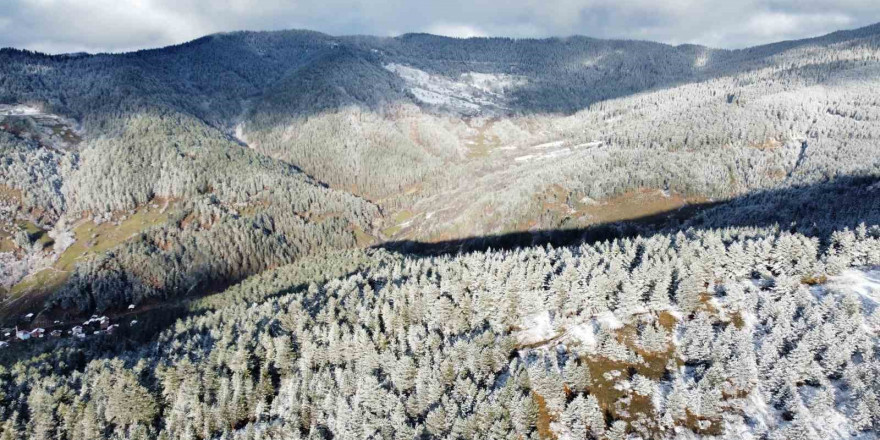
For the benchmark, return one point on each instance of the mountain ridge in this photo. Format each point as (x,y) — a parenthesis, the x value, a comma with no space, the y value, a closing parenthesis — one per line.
(450,137)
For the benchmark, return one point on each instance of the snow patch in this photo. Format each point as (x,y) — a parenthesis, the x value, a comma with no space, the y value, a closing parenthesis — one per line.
(18,110)
(535,328)
(865,283)
(609,321)
(548,145)
(583,334)
(239,134)
(593,144)
(553,154)
(470,93)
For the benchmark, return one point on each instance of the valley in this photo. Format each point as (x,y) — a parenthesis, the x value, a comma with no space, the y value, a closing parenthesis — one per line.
(291,234)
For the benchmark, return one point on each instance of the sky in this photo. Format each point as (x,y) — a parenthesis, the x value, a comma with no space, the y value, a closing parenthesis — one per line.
(60,26)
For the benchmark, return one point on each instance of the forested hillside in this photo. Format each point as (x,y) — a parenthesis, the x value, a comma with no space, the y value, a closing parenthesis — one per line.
(262,147)
(297,235)
(738,333)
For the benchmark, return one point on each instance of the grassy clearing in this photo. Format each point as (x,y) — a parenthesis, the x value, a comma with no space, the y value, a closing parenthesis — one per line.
(362,238)
(544,418)
(36,234)
(66,134)
(6,243)
(769,144)
(622,404)
(397,220)
(634,205)
(91,239)
(562,207)
(482,144)
(9,196)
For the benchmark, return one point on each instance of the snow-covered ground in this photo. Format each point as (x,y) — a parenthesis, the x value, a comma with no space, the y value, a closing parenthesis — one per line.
(536,328)
(865,283)
(836,422)
(553,154)
(18,110)
(753,416)
(470,93)
(548,145)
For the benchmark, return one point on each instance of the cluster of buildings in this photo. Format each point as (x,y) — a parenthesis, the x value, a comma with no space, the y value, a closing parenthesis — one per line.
(95,325)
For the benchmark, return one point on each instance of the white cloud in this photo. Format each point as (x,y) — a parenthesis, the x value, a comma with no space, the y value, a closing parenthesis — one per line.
(116,25)
(455,30)
(781,24)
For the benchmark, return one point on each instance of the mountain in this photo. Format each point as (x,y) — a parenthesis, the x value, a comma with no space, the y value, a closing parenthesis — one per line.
(413,138)
(303,235)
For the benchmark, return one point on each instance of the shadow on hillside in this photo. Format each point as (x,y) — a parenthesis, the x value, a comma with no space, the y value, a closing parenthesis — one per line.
(555,237)
(815,210)
(820,209)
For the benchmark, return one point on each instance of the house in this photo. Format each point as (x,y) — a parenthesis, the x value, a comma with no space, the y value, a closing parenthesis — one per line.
(23,335)
(112,328)
(38,332)
(133,322)
(77,332)
(3,344)
(131,307)
(104,322)
(56,333)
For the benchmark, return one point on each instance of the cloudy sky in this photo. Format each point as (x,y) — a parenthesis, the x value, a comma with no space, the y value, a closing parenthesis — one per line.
(57,26)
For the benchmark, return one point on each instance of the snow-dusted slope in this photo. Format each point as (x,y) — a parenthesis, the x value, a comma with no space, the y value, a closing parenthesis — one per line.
(470,93)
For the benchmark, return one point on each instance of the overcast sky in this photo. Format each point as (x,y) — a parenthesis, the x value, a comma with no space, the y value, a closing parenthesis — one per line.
(57,26)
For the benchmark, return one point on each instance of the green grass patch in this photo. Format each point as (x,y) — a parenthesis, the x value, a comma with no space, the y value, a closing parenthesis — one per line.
(362,238)
(397,220)
(91,239)
(36,234)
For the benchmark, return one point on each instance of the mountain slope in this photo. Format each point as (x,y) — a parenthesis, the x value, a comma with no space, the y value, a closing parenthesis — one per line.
(670,242)
(445,138)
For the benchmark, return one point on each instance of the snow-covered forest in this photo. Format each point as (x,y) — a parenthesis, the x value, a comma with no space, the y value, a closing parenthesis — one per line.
(273,219)
(739,333)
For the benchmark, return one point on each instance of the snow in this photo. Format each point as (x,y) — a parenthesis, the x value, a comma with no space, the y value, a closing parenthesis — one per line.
(18,110)
(749,320)
(609,321)
(675,314)
(548,145)
(593,144)
(862,282)
(865,283)
(557,153)
(536,328)
(436,98)
(583,334)
(470,93)
(757,409)
(239,134)
(835,424)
